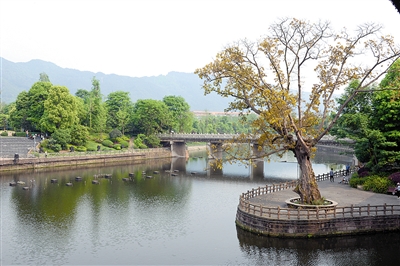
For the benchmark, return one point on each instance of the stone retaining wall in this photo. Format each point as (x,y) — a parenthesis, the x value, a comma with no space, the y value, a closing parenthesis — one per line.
(75,161)
(317,228)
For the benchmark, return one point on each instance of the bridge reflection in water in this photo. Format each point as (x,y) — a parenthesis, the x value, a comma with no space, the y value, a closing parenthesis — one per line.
(277,169)
(179,164)
(177,143)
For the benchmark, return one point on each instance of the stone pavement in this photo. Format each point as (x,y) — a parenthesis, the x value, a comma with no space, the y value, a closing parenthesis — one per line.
(343,194)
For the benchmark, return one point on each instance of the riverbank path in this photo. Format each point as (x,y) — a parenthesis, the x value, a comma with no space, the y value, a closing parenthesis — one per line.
(343,194)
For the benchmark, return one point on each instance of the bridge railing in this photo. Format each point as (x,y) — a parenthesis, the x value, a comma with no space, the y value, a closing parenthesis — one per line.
(327,140)
(197,137)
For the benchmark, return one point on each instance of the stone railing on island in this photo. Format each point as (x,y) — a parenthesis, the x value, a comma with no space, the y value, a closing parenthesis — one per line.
(316,221)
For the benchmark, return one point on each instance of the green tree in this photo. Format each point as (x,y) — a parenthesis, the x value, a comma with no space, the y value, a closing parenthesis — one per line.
(373,122)
(83,94)
(37,96)
(4,116)
(4,121)
(79,135)
(138,141)
(273,91)
(96,108)
(62,136)
(180,112)
(60,110)
(44,77)
(114,134)
(119,110)
(386,118)
(83,106)
(19,114)
(151,117)
(82,112)
(93,113)
(355,116)
(205,124)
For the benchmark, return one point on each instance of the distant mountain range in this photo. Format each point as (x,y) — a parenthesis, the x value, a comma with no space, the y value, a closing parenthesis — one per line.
(18,77)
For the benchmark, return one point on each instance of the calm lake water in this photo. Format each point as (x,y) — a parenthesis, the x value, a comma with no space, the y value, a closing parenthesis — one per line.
(183,219)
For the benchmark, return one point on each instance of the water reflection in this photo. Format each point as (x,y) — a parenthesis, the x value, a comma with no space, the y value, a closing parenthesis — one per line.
(346,250)
(49,199)
(181,215)
(276,169)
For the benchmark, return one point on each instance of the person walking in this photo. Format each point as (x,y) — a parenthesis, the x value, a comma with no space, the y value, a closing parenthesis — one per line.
(397,191)
(331,176)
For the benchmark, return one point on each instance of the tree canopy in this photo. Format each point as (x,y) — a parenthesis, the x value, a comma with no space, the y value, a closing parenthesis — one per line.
(60,110)
(268,77)
(373,121)
(37,96)
(151,116)
(44,77)
(119,110)
(180,112)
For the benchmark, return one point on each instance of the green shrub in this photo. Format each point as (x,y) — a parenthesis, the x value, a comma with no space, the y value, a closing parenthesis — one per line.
(20,134)
(107,143)
(124,144)
(321,201)
(122,138)
(80,148)
(98,137)
(377,184)
(115,133)
(91,146)
(79,135)
(62,137)
(4,134)
(138,142)
(152,141)
(117,146)
(355,181)
(51,144)
(44,143)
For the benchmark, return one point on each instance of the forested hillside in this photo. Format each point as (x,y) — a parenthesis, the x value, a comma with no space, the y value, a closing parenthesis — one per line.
(18,77)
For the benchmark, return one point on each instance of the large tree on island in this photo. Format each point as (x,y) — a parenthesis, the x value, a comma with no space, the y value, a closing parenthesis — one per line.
(268,78)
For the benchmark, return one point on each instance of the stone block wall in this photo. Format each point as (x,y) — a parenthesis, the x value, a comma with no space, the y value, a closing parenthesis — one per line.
(317,228)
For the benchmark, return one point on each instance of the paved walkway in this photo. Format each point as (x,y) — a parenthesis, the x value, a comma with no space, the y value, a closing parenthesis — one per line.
(343,194)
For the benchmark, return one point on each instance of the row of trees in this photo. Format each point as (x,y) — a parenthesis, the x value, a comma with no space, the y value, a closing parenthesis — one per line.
(211,124)
(52,109)
(48,108)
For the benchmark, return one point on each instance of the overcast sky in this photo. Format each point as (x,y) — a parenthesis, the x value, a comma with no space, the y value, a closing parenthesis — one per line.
(149,38)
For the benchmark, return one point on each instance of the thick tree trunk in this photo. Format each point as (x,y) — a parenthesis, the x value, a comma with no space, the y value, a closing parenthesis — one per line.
(307,188)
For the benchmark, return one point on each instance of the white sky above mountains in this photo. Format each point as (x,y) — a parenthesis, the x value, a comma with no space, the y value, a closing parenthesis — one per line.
(153,37)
